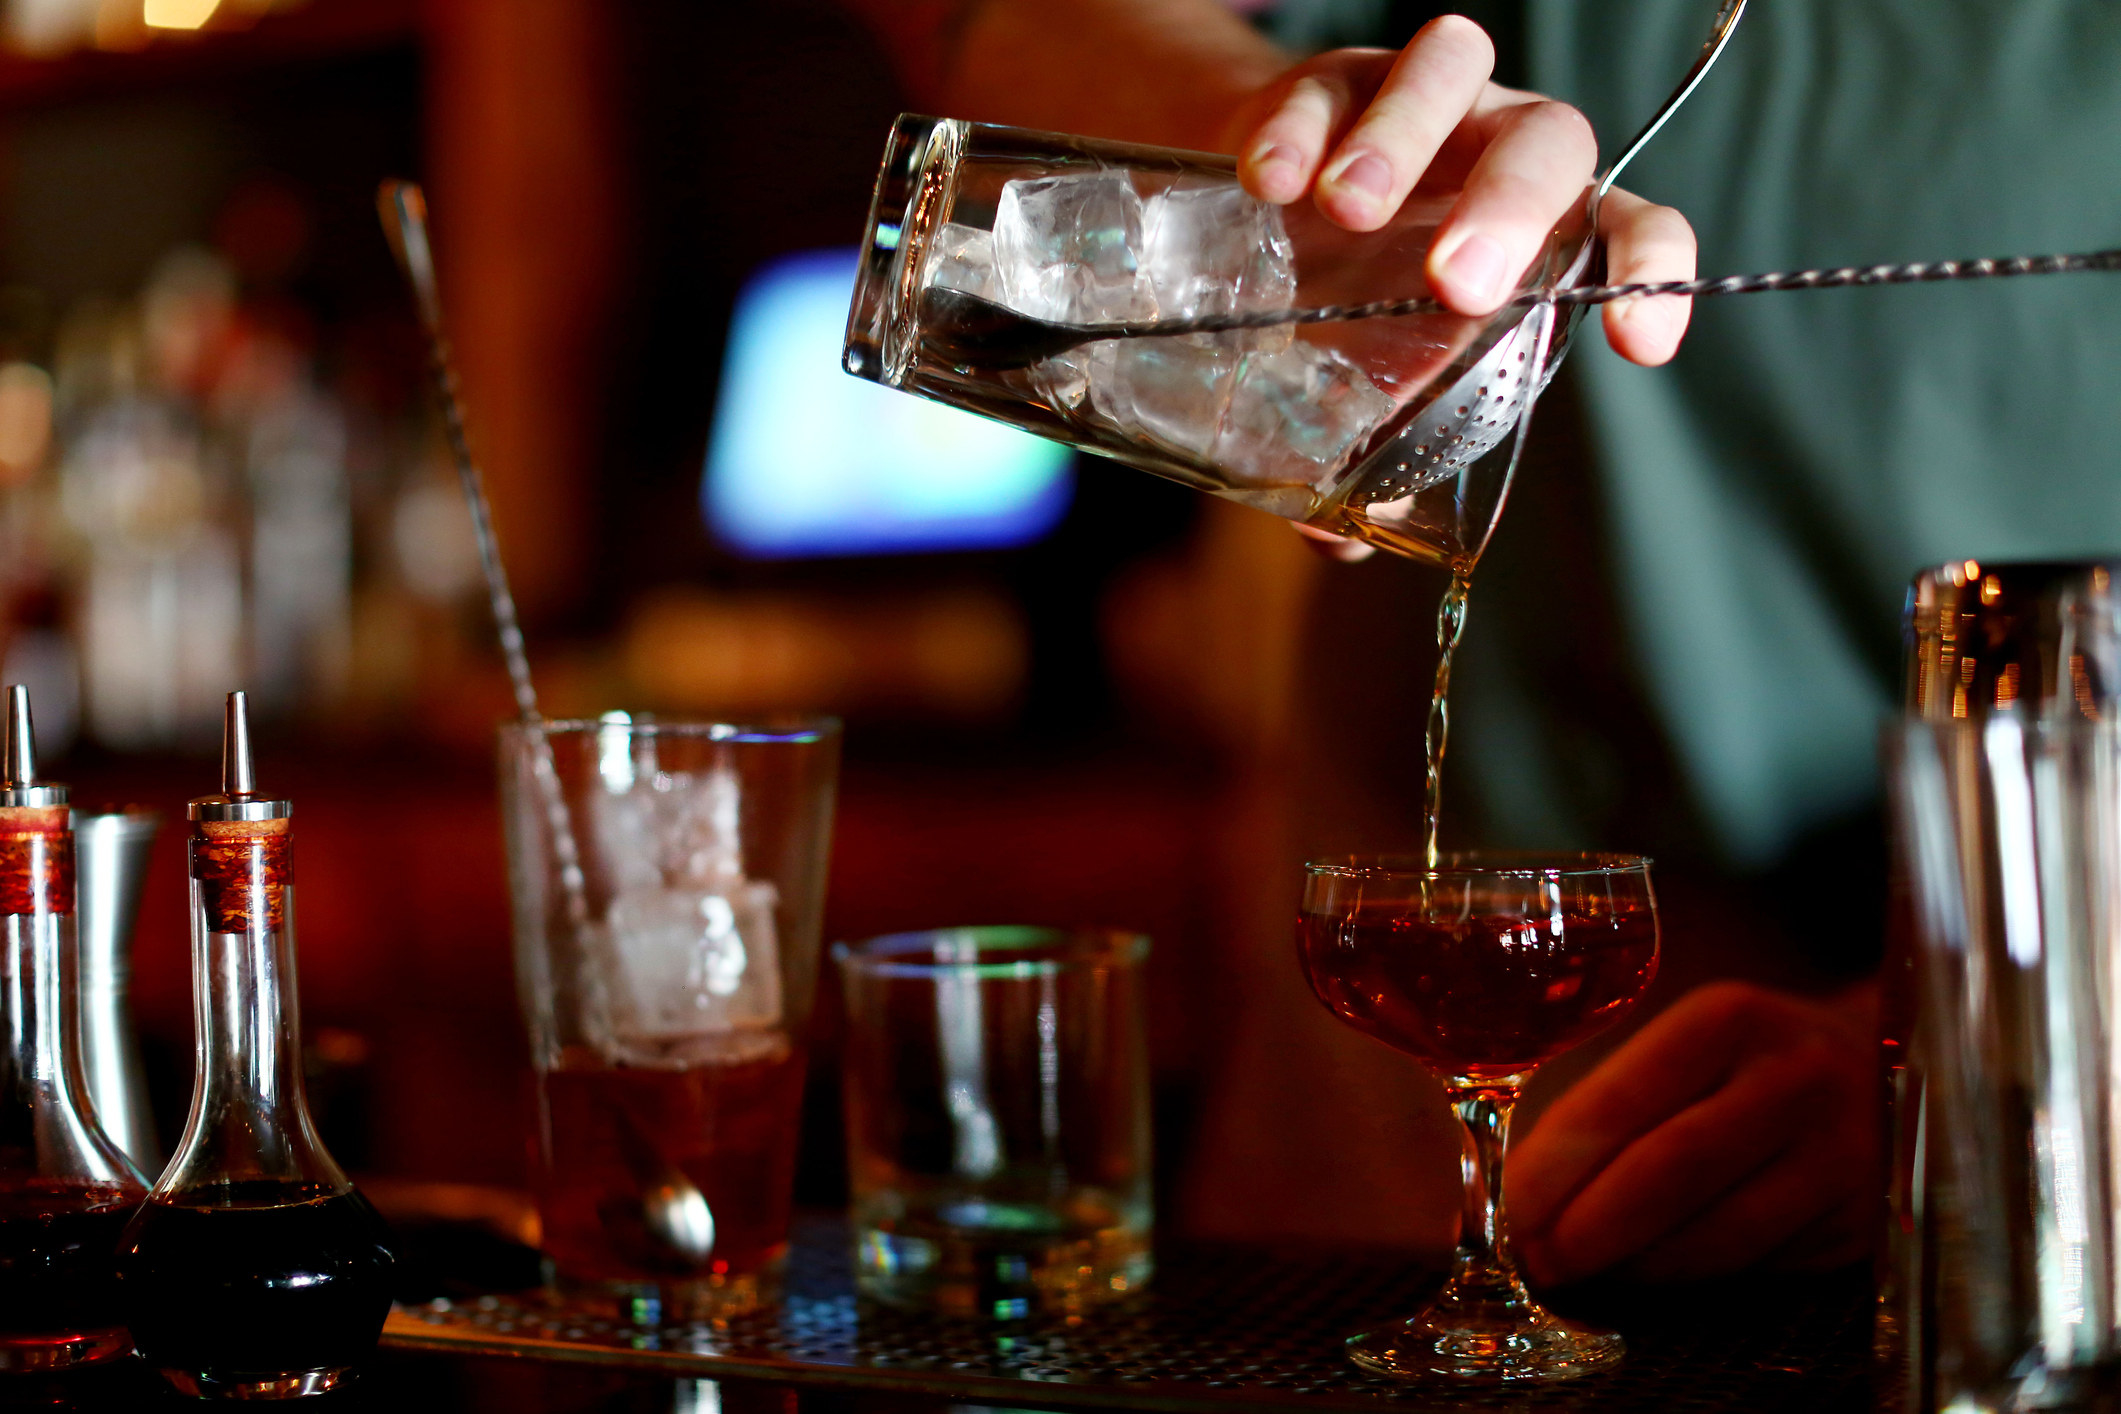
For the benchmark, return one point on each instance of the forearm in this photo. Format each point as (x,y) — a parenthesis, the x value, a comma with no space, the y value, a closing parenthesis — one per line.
(1175,72)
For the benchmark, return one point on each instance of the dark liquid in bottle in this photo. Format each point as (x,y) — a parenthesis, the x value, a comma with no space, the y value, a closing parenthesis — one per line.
(240,1282)
(1483,995)
(58,1261)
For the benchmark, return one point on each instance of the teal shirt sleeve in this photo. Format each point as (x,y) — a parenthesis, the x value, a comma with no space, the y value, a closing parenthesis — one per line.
(1770,493)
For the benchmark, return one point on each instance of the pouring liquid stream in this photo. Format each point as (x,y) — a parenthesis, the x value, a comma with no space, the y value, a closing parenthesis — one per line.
(1450,627)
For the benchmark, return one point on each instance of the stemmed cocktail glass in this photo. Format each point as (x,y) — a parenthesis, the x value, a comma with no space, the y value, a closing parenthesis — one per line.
(1481,967)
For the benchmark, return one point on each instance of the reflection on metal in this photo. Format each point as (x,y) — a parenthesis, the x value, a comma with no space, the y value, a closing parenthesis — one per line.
(111,851)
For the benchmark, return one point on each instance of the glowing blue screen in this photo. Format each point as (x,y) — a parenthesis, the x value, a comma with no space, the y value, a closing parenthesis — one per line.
(808,460)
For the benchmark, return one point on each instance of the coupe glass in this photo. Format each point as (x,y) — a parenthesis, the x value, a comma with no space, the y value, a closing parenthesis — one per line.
(1481,967)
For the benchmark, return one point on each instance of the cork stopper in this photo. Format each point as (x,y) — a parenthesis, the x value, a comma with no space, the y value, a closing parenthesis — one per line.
(239,847)
(36,838)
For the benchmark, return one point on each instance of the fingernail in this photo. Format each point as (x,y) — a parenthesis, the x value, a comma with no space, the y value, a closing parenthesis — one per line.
(1275,161)
(1477,268)
(1364,172)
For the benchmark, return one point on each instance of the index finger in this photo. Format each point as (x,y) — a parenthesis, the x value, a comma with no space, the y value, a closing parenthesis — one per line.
(1687,1166)
(1431,88)
(1525,181)
(1648,244)
(1671,1064)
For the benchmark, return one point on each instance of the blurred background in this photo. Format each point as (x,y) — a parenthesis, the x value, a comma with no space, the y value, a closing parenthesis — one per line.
(1067,685)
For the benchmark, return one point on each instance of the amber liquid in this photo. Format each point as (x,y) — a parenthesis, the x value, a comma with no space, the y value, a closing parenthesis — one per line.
(1450,627)
(1483,995)
(58,1270)
(243,1282)
(729,1128)
(1008,393)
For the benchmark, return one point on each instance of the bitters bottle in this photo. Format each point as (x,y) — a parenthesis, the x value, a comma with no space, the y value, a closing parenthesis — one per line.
(254,1270)
(66,1190)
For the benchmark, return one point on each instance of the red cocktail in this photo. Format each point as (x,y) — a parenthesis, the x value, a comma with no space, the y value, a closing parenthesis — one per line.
(1481,967)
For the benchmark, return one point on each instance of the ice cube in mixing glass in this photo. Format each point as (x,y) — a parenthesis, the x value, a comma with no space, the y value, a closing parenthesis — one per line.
(961,258)
(1068,249)
(1173,392)
(1296,415)
(1211,250)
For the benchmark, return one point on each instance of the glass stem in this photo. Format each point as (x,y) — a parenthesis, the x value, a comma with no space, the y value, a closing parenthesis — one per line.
(1482,1266)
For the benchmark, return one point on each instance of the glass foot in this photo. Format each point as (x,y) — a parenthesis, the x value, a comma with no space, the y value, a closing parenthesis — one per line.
(62,1350)
(291,1384)
(1535,1345)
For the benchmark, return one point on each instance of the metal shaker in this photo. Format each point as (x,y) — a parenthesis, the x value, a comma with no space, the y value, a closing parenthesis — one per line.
(2001,1280)
(111,850)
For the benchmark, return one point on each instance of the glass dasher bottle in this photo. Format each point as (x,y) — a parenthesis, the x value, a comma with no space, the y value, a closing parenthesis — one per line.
(254,1270)
(65,1189)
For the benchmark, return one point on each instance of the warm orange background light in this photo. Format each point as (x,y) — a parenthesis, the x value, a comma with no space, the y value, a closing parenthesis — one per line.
(178,14)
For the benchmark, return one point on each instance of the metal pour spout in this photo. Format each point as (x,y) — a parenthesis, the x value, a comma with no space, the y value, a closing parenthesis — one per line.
(238,798)
(237,778)
(18,763)
(21,764)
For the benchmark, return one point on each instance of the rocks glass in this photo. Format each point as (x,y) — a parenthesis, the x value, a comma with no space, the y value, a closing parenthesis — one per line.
(997,1084)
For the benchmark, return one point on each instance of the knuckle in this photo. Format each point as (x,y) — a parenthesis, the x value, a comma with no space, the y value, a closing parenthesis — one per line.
(1565,119)
(1458,40)
(1658,240)
(1816,1067)
(1722,1004)
(1519,203)
(1401,119)
(1670,223)
(1315,96)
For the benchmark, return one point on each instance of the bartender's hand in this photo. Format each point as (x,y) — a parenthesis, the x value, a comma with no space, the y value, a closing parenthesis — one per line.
(1360,129)
(1357,129)
(1738,1129)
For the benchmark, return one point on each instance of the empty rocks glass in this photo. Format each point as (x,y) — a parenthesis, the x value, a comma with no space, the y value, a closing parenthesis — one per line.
(997,1086)
(1030,277)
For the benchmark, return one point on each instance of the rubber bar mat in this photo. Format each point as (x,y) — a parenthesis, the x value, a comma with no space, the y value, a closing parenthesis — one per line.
(1219,1327)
